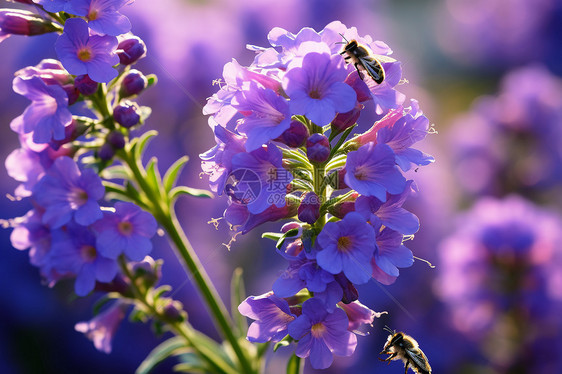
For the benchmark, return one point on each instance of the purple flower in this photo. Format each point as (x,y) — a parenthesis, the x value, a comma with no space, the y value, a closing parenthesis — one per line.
(359,315)
(74,252)
(48,114)
(403,133)
(53,6)
(390,253)
(272,315)
(103,15)
(302,273)
(390,213)
(321,334)
(317,89)
(239,216)
(266,115)
(127,230)
(66,192)
(101,329)
(217,161)
(266,164)
(30,233)
(372,171)
(81,53)
(347,245)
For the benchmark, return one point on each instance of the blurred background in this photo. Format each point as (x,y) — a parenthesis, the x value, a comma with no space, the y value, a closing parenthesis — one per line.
(487,73)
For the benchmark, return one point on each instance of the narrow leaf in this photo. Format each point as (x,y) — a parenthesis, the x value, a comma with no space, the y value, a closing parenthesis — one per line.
(142,142)
(172,173)
(294,365)
(237,293)
(160,353)
(153,175)
(184,190)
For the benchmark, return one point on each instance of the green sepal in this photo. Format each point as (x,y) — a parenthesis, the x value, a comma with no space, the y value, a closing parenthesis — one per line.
(138,145)
(294,365)
(288,234)
(272,235)
(151,79)
(101,302)
(164,350)
(153,175)
(144,112)
(171,175)
(285,342)
(115,172)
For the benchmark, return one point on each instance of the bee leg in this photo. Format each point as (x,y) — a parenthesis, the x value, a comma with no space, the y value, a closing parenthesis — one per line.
(406,367)
(358,72)
(389,358)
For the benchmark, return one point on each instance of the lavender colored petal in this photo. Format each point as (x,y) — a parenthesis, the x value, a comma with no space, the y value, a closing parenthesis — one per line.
(110,243)
(320,356)
(138,247)
(111,24)
(86,280)
(88,213)
(105,269)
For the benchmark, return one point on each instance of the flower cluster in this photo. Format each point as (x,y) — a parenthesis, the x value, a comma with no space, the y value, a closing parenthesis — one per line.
(72,231)
(509,133)
(285,151)
(500,279)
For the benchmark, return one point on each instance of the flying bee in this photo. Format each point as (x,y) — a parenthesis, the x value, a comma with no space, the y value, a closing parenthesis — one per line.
(363,60)
(404,347)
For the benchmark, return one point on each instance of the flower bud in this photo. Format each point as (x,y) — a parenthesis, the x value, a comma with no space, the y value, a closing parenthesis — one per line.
(21,22)
(85,85)
(130,50)
(341,208)
(133,83)
(295,135)
(106,152)
(350,293)
(309,209)
(173,311)
(72,93)
(317,148)
(116,139)
(345,120)
(126,114)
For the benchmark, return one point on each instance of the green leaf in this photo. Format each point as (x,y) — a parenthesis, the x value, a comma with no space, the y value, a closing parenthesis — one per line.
(158,292)
(184,190)
(237,292)
(144,112)
(173,172)
(283,343)
(153,175)
(115,172)
(160,353)
(294,365)
(191,363)
(142,142)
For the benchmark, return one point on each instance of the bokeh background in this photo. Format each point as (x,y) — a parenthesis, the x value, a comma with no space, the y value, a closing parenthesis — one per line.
(487,73)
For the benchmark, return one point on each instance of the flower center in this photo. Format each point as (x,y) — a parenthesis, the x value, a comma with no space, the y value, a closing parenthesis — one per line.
(78,197)
(93,15)
(88,253)
(125,228)
(84,54)
(344,243)
(314,94)
(361,172)
(317,330)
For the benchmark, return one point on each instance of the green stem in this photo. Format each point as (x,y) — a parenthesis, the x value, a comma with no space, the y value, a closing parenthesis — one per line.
(167,218)
(177,328)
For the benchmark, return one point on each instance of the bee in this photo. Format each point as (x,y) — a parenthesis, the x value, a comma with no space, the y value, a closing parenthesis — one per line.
(362,60)
(404,347)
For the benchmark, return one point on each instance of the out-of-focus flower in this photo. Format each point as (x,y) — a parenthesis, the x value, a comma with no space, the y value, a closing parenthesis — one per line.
(499,277)
(101,329)
(82,53)
(103,15)
(53,5)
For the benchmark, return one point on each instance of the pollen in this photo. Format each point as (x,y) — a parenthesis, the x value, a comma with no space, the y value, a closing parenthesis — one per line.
(314,94)
(317,330)
(125,227)
(93,15)
(88,253)
(344,243)
(84,54)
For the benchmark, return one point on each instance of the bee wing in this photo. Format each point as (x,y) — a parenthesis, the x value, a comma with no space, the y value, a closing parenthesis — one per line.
(385,59)
(419,358)
(373,68)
